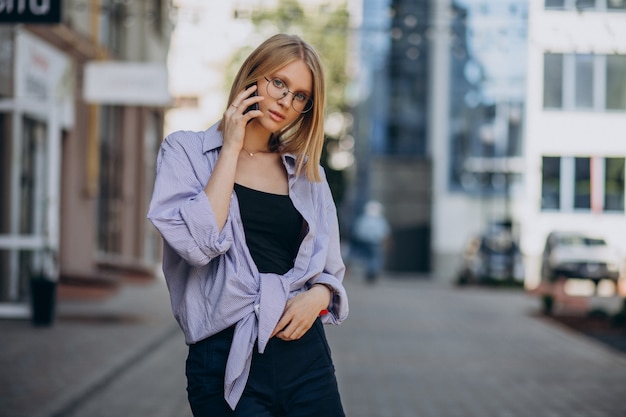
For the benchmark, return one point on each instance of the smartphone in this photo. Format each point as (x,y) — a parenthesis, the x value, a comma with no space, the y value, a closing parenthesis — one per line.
(254,106)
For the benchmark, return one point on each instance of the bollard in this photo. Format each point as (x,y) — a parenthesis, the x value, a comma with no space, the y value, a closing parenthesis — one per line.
(43,300)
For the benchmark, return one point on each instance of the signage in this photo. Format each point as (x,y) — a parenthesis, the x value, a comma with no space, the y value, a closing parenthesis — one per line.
(30,11)
(44,73)
(126,83)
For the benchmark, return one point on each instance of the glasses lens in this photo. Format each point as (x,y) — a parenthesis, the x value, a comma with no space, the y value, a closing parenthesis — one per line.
(302,106)
(277,89)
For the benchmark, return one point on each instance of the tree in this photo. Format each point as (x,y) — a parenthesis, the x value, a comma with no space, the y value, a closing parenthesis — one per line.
(324,26)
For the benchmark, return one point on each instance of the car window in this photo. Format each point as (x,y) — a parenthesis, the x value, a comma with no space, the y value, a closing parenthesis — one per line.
(594,242)
(580,241)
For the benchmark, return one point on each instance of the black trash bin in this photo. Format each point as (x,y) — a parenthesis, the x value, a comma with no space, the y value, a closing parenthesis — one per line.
(43,300)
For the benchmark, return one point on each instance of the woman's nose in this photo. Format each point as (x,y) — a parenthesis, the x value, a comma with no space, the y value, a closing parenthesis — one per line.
(285,99)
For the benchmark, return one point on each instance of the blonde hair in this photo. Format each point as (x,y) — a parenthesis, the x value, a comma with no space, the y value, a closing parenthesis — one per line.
(305,136)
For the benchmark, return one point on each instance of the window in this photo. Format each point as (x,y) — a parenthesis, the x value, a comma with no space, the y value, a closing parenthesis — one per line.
(616,4)
(614,184)
(582,81)
(616,82)
(582,183)
(567,184)
(555,4)
(553,81)
(586,5)
(157,16)
(110,202)
(551,183)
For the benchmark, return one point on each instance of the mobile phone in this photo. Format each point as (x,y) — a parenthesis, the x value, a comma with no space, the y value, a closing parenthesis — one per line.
(254,106)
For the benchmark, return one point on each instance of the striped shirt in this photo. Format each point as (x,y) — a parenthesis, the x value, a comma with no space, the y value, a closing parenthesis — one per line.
(213,281)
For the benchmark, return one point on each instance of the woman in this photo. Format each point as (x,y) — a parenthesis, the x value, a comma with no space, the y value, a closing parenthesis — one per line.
(251,243)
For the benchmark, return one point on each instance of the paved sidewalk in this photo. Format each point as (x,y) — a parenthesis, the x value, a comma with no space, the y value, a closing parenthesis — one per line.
(47,371)
(410,348)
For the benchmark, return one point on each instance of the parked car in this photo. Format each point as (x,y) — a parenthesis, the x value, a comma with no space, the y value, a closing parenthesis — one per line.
(579,255)
(492,257)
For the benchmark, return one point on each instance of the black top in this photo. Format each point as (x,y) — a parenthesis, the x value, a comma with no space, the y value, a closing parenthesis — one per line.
(273,228)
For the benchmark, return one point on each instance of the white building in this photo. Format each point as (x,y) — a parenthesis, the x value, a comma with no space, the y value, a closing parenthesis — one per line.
(575,149)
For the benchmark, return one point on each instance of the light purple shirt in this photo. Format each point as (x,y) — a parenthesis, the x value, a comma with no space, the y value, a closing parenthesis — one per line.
(212,279)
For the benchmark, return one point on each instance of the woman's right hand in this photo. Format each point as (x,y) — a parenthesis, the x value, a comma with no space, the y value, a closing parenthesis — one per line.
(235,120)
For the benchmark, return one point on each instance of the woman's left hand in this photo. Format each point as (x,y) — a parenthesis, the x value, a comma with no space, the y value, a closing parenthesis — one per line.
(300,313)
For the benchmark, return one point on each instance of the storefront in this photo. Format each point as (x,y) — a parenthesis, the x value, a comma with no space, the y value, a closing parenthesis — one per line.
(36,107)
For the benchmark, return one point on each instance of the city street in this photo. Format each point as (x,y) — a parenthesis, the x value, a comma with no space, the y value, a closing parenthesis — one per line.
(410,348)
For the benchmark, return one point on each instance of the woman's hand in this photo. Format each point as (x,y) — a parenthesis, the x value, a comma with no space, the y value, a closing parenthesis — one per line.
(301,311)
(235,120)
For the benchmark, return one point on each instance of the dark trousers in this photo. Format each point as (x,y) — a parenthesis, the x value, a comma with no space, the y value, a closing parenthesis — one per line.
(291,379)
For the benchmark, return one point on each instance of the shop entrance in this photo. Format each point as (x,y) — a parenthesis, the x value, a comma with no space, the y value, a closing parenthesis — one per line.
(29,200)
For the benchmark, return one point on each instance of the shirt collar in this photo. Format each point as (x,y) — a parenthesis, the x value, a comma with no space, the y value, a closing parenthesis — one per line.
(213,138)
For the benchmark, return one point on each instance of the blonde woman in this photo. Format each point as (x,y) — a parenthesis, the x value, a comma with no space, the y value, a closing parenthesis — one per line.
(251,243)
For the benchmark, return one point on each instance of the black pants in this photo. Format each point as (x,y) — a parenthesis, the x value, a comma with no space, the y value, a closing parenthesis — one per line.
(291,379)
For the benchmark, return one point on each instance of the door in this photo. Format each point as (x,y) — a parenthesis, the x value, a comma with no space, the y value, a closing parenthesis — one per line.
(28,207)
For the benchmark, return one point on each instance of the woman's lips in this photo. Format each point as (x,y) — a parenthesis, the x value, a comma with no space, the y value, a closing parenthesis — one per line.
(276,116)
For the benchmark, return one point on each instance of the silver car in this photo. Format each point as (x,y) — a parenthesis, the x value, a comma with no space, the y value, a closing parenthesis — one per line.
(579,255)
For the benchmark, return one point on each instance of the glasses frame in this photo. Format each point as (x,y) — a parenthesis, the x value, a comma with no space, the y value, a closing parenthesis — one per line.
(286,91)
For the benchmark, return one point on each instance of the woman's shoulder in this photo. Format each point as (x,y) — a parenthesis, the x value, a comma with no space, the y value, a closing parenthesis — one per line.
(320,190)
(205,140)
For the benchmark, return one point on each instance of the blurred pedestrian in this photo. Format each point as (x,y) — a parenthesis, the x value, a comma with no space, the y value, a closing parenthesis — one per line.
(371,237)
(251,243)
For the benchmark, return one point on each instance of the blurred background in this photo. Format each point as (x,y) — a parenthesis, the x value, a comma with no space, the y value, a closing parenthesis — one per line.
(481,126)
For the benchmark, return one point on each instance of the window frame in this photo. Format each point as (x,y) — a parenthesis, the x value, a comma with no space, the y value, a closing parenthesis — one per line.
(597,179)
(568,88)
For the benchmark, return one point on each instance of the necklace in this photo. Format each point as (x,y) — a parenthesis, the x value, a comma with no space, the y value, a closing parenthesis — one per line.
(253,153)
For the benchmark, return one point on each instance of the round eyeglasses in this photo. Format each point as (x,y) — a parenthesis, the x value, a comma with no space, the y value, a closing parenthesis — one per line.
(276,88)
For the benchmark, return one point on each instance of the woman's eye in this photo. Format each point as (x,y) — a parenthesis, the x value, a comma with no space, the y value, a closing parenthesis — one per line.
(278,83)
(300,97)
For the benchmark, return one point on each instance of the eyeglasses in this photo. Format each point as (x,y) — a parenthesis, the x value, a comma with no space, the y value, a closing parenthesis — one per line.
(276,88)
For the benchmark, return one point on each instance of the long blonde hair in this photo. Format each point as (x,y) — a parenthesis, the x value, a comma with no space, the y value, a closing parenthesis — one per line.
(305,136)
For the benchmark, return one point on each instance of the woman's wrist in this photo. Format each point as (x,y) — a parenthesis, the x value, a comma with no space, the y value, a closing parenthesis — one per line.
(328,290)
(327,286)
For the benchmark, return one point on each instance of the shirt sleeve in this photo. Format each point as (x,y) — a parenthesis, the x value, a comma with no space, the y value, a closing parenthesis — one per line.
(179,208)
(334,268)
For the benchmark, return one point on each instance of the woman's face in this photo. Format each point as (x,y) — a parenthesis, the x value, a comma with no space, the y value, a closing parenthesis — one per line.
(296,80)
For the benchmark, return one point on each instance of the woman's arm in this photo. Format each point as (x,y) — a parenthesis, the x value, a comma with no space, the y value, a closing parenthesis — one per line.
(220,185)
(334,269)
(179,208)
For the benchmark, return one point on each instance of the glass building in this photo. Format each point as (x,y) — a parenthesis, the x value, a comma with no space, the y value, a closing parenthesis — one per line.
(488,82)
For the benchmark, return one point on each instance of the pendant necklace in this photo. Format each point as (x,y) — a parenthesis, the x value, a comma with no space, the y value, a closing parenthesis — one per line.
(252,153)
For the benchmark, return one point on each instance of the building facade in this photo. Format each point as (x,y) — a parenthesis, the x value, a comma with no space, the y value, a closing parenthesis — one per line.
(444,125)
(78,145)
(576,141)
(391,124)
(478,79)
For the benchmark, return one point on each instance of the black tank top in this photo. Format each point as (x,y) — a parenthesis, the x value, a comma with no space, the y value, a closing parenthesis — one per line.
(273,228)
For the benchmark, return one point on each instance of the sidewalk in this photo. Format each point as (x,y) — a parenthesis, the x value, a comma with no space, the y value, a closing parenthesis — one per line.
(45,371)
(411,347)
